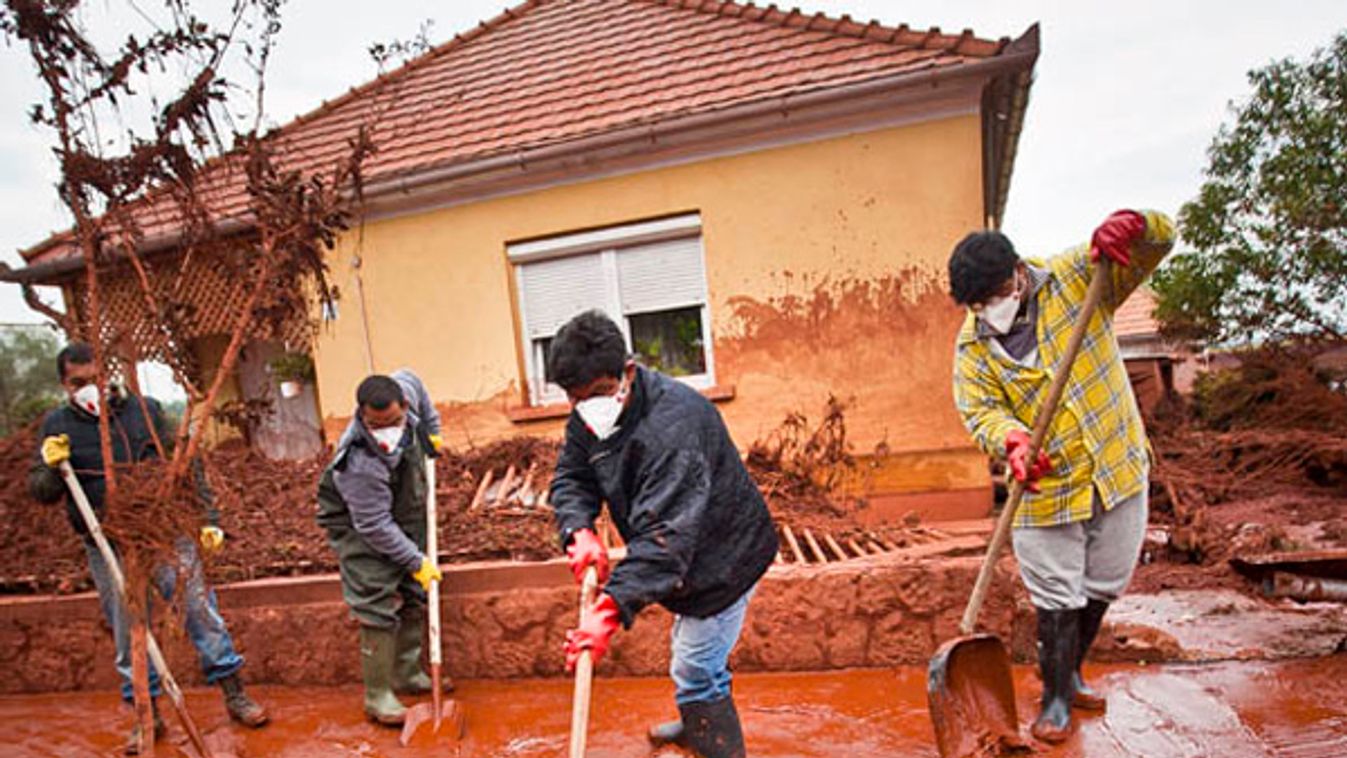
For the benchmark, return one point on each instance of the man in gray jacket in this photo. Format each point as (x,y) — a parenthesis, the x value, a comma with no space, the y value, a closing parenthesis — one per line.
(372,502)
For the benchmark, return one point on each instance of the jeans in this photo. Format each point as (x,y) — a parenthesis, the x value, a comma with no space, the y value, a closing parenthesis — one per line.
(204,625)
(701,653)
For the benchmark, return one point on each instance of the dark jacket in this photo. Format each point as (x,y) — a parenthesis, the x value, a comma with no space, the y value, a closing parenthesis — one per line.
(131,420)
(382,496)
(697,530)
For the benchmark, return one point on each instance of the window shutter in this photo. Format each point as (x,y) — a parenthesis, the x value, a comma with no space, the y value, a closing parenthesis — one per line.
(661,275)
(556,290)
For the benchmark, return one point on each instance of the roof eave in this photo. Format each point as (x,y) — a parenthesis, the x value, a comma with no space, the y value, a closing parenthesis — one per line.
(1015,60)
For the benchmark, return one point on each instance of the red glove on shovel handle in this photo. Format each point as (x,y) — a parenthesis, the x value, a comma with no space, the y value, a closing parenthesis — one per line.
(594,633)
(1017,455)
(584,551)
(1115,236)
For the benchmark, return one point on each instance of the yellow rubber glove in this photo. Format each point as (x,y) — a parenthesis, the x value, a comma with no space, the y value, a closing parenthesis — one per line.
(212,538)
(428,573)
(56,450)
(436,442)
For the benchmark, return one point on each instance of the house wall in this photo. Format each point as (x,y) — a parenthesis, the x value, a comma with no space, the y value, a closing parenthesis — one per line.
(824,264)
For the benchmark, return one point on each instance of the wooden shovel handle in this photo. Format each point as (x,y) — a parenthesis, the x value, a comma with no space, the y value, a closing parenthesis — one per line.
(1062,374)
(584,671)
(95,530)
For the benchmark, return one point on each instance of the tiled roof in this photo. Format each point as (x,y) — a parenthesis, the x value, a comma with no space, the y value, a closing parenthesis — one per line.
(551,71)
(1133,318)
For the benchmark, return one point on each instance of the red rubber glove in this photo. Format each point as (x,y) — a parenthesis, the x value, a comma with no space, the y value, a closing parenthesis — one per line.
(594,633)
(1115,236)
(584,551)
(1017,453)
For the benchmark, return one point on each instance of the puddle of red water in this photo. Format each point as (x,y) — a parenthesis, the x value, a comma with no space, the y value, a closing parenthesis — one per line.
(1244,709)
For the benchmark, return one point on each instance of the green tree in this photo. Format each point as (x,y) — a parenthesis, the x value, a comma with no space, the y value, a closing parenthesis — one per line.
(28,383)
(1269,226)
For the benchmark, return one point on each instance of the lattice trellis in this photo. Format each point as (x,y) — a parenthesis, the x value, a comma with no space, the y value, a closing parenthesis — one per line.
(200,299)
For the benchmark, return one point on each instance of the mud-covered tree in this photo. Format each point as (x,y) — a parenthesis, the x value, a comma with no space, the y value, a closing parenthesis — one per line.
(144,130)
(1269,226)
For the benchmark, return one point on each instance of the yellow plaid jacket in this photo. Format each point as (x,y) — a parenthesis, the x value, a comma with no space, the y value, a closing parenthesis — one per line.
(1097,440)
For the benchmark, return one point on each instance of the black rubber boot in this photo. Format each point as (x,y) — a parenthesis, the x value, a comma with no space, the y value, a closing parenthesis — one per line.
(1091,617)
(712,730)
(133,740)
(242,708)
(1058,640)
(668,733)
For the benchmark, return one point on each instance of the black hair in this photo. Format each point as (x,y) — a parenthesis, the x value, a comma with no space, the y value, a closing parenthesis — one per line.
(587,347)
(979,266)
(76,352)
(379,392)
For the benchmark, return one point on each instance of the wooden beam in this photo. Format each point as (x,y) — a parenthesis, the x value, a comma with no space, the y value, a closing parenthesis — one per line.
(836,548)
(481,490)
(794,545)
(813,546)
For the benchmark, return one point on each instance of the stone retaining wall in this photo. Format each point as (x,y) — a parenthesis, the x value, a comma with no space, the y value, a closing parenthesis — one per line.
(509,620)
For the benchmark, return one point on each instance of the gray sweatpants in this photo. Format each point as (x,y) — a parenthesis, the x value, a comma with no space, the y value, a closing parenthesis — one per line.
(1064,566)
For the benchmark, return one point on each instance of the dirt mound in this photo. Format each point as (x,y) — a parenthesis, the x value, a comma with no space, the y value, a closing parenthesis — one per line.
(1255,463)
(267,507)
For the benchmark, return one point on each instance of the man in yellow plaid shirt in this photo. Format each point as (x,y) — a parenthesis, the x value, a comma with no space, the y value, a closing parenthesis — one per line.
(1083,517)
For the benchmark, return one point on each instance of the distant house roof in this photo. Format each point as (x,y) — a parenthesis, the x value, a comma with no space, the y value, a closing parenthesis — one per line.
(548,74)
(1134,318)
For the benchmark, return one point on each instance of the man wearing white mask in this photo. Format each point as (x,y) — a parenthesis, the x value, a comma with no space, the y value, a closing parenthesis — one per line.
(372,503)
(70,433)
(1083,516)
(698,533)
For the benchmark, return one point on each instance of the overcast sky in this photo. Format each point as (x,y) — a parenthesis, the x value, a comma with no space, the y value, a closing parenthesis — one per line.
(1126,99)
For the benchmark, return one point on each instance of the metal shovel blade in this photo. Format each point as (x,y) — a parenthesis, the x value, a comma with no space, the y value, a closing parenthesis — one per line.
(972,699)
(448,721)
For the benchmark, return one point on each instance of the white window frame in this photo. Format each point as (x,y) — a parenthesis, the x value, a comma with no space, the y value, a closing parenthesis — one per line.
(608,244)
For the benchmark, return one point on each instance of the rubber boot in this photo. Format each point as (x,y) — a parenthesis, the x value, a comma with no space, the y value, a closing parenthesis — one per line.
(1058,638)
(133,740)
(409,678)
(668,733)
(712,730)
(242,708)
(378,649)
(1091,617)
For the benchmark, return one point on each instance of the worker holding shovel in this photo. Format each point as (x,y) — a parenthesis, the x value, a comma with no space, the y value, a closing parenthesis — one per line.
(697,531)
(1082,520)
(372,502)
(70,435)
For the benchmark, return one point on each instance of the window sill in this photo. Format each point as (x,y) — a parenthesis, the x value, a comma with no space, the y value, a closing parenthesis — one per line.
(530,413)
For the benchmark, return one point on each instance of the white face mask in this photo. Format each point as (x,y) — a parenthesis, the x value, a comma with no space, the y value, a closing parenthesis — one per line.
(600,413)
(86,399)
(999,314)
(389,437)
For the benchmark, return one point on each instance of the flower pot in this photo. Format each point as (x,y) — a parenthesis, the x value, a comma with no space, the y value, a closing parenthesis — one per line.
(291,389)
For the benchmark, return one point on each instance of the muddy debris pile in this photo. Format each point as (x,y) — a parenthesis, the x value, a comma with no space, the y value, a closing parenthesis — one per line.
(1255,462)
(492,505)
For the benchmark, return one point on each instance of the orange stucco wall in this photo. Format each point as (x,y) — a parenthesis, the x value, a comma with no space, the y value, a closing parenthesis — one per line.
(824,264)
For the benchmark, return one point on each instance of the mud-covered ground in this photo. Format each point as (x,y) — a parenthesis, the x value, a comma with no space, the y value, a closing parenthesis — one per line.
(1248,709)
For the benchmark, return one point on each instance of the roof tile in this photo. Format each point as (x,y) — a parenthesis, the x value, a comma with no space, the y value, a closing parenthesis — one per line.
(547,71)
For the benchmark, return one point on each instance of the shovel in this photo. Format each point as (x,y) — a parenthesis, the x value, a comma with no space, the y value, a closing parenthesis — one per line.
(436,711)
(969,687)
(584,672)
(118,581)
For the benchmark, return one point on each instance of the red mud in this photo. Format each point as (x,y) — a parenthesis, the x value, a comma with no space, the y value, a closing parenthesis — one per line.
(1235,709)
(267,512)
